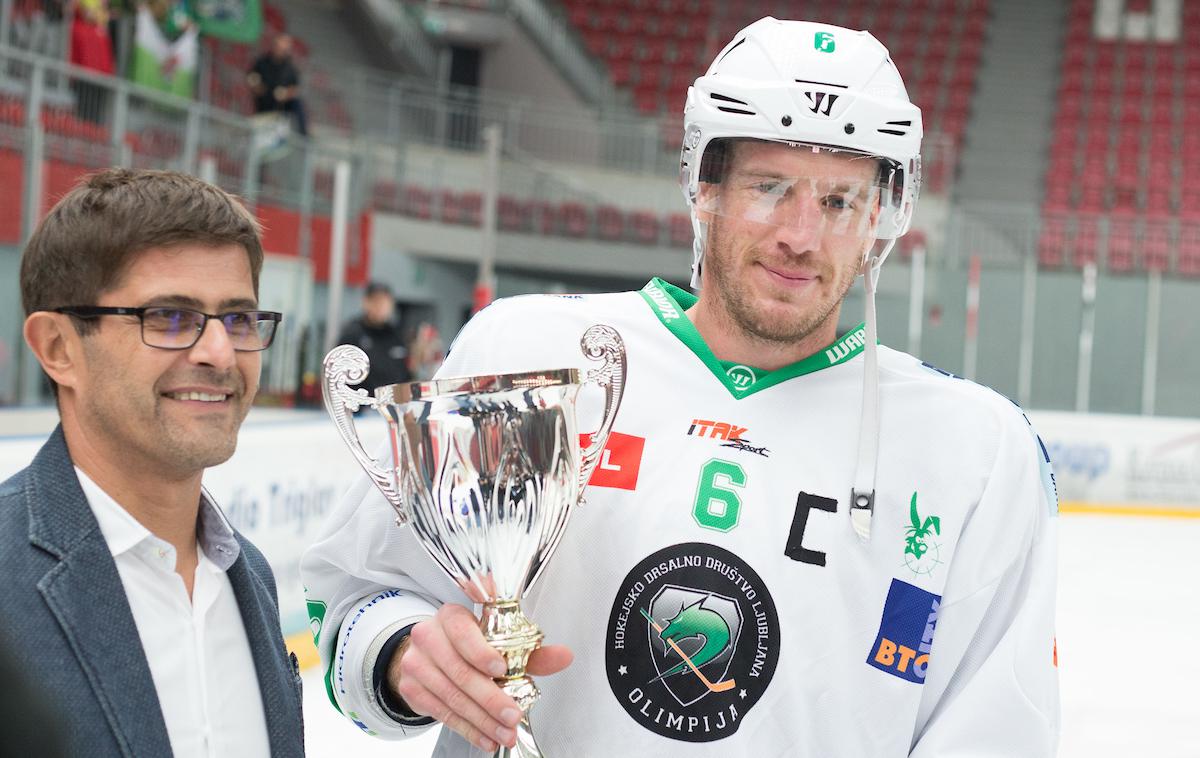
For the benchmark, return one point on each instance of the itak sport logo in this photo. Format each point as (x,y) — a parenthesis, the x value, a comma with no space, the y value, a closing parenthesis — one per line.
(729,434)
(692,642)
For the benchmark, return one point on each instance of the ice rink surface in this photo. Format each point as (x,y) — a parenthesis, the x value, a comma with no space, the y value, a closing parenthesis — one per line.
(1128,648)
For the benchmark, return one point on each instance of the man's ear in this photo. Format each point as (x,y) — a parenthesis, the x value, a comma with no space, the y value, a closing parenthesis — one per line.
(56,345)
(708,196)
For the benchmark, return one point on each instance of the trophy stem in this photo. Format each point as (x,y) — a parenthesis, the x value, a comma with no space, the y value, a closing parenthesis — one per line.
(526,746)
(508,630)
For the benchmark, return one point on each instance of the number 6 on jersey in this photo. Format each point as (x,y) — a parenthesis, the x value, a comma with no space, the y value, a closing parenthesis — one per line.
(717,503)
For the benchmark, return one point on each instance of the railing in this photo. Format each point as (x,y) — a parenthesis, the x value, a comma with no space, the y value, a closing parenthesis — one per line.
(406,38)
(410,111)
(555,36)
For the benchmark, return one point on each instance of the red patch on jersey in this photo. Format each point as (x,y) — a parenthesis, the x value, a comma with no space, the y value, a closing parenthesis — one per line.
(619,463)
(1056,652)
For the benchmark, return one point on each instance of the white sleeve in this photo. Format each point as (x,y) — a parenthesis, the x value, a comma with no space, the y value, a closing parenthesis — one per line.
(992,687)
(365,578)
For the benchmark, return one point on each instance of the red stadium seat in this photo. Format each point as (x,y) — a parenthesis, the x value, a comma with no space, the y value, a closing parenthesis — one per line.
(1122,239)
(1093,196)
(417,202)
(1189,250)
(514,215)
(1087,239)
(647,99)
(576,221)
(596,41)
(385,196)
(547,218)
(610,223)
(623,47)
(643,227)
(465,208)
(580,16)
(653,50)
(1156,245)
(679,226)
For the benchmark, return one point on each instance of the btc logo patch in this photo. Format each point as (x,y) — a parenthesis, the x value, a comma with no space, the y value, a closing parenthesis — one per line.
(905,632)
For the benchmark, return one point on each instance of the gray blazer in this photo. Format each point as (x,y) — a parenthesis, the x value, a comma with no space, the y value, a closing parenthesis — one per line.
(63,607)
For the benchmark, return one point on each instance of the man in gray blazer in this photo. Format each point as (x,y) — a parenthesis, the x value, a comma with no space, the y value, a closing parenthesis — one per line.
(126,595)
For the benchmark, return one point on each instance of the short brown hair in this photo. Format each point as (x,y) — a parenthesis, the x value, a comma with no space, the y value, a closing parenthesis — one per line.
(81,248)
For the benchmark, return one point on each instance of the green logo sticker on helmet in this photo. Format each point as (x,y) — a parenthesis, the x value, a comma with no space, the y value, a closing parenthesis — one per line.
(823,42)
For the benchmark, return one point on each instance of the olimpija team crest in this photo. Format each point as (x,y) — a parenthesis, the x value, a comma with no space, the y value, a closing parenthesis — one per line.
(681,615)
(922,554)
(693,640)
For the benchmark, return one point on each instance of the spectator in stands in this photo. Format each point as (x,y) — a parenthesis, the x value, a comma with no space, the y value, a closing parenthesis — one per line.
(275,82)
(381,337)
(91,48)
(126,592)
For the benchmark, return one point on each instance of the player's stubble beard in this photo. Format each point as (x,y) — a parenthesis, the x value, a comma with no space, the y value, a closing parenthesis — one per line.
(738,304)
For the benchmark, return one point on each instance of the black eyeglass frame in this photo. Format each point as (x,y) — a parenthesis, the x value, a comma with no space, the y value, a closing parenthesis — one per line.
(95,311)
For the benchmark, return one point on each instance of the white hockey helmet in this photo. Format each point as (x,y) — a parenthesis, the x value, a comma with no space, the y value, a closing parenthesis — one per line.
(809,84)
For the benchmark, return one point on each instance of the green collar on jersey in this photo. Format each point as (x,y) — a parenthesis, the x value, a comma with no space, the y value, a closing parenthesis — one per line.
(669,303)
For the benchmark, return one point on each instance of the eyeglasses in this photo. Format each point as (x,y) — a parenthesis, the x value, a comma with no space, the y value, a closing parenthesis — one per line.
(180,328)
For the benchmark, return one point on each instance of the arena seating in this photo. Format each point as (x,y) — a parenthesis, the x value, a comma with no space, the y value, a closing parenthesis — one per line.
(1126,128)
(656,48)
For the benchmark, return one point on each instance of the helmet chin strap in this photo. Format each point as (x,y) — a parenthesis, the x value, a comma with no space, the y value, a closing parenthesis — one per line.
(699,239)
(862,495)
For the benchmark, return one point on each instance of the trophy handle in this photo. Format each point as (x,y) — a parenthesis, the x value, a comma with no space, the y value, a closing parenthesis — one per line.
(343,365)
(603,343)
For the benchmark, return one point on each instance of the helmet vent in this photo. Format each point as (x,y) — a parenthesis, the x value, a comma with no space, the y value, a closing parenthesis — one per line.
(730,50)
(729,108)
(896,132)
(823,84)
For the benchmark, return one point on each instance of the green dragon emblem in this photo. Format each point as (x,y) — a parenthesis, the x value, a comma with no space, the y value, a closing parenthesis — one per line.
(695,621)
(919,531)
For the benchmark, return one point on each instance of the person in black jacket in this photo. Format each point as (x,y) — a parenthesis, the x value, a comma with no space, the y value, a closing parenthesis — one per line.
(381,337)
(275,82)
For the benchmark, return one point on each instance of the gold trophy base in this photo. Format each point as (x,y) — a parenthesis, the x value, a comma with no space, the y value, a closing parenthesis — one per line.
(508,630)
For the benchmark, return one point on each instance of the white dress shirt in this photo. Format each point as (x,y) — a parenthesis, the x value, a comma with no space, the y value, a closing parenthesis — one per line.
(197,648)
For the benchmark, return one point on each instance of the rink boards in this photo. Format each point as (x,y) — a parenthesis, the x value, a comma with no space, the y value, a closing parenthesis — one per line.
(291,468)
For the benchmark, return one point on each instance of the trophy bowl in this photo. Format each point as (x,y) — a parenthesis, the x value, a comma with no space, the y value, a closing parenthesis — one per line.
(486,470)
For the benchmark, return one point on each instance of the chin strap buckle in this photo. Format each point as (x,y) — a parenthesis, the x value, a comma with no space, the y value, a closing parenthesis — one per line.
(862,504)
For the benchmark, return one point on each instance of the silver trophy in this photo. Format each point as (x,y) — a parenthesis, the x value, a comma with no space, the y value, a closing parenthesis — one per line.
(486,470)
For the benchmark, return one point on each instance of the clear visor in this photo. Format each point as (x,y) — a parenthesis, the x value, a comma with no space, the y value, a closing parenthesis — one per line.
(814,189)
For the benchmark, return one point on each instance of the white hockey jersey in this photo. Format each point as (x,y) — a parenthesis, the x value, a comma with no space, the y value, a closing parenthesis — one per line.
(717,599)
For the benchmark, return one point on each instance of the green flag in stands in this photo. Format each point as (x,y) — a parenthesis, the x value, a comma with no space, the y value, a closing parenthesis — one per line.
(161,63)
(233,20)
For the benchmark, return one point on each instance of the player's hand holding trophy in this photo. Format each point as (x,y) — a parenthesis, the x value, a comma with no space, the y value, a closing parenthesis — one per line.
(486,470)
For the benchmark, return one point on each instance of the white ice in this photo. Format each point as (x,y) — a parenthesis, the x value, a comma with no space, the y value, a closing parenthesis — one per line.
(1128,648)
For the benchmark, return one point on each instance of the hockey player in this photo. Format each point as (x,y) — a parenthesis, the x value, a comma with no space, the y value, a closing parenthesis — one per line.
(797,544)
